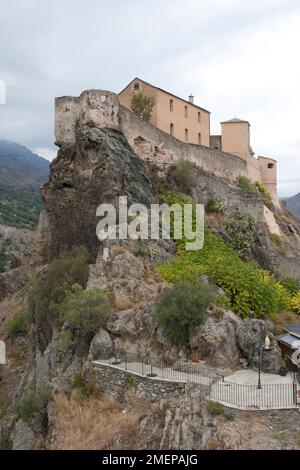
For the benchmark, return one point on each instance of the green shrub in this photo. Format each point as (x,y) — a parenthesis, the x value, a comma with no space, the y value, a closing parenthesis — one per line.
(180,309)
(185,176)
(33,402)
(214,408)
(17,325)
(266,195)
(84,311)
(290,284)
(143,105)
(246,185)
(86,388)
(5,441)
(48,292)
(66,341)
(215,205)
(240,233)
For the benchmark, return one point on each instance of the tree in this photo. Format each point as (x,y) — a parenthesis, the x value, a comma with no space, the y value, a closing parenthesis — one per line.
(180,309)
(142,105)
(84,311)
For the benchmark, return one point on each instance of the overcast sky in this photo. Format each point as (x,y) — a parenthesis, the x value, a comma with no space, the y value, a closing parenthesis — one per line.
(238,58)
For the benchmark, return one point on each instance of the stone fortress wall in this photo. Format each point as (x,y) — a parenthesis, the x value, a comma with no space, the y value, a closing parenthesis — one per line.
(102,108)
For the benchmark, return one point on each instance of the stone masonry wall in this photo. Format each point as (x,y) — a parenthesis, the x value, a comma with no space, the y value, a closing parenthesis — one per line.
(150,143)
(116,382)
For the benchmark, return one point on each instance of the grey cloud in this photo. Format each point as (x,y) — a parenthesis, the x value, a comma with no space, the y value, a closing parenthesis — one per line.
(62,47)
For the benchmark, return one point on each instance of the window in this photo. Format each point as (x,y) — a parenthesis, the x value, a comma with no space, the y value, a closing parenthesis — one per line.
(187,135)
(171,129)
(199,139)
(171,105)
(136,86)
(103,98)
(270,165)
(186,111)
(199,117)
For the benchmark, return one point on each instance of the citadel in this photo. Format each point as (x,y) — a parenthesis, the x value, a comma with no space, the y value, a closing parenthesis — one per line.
(178,129)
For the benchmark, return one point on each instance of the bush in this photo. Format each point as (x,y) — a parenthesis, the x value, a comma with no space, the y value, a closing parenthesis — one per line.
(265,194)
(47,293)
(33,402)
(294,304)
(180,309)
(84,311)
(17,325)
(246,185)
(214,408)
(215,205)
(185,176)
(5,441)
(143,105)
(240,233)
(290,284)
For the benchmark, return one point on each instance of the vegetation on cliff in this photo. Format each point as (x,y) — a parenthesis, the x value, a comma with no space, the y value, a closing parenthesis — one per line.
(247,287)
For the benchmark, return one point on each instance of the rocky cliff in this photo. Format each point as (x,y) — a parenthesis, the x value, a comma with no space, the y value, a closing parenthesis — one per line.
(97,168)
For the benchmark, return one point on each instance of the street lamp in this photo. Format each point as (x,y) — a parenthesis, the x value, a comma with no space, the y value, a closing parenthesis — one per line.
(259,347)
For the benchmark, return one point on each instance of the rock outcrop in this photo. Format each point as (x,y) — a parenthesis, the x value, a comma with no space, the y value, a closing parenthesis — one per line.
(100,167)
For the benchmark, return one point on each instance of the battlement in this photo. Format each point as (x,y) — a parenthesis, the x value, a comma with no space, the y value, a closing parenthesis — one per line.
(97,107)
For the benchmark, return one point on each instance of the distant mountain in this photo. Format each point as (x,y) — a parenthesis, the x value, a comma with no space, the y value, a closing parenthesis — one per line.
(293,204)
(21,175)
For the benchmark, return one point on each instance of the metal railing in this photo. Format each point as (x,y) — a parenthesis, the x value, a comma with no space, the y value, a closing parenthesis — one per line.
(153,367)
(250,396)
(214,385)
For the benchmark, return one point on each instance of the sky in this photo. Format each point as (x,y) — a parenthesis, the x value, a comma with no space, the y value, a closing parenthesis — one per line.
(238,58)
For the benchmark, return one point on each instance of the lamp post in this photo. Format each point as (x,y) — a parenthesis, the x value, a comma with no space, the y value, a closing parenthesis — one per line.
(259,347)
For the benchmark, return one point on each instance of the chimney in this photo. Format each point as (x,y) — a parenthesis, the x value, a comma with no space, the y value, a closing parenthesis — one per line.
(191,98)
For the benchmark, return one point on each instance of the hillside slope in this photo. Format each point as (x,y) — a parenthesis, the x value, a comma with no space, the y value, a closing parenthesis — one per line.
(293,204)
(21,175)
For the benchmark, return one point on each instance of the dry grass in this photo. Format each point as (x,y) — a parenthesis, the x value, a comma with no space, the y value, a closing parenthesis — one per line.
(97,423)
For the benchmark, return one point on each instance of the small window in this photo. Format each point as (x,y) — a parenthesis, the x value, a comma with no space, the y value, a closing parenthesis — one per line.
(199,117)
(187,135)
(270,165)
(136,86)
(103,98)
(186,111)
(199,139)
(171,129)
(171,105)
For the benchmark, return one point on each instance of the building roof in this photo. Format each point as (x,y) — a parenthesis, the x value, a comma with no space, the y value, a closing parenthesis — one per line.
(235,120)
(167,92)
(289,340)
(293,328)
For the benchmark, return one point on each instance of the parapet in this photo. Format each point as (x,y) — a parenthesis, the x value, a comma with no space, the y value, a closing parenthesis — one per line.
(99,108)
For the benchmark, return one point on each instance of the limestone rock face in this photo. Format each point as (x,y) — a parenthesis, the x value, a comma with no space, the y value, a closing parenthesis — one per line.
(23,437)
(249,333)
(215,341)
(100,167)
(129,278)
